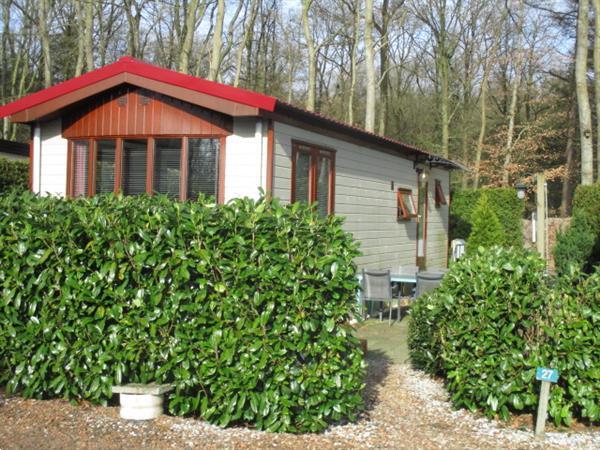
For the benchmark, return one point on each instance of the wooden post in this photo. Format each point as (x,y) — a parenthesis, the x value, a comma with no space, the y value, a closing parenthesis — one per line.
(540,423)
(541,214)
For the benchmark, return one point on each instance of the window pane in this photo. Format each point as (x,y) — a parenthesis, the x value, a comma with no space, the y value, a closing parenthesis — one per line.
(323,172)
(408,202)
(167,155)
(301,181)
(134,166)
(105,166)
(80,168)
(203,167)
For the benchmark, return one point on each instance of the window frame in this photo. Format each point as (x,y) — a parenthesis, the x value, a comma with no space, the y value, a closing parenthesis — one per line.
(440,197)
(316,152)
(402,211)
(150,158)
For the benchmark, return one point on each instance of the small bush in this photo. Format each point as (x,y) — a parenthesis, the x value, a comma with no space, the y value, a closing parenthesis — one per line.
(241,306)
(14,175)
(574,246)
(509,210)
(494,319)
(486,230)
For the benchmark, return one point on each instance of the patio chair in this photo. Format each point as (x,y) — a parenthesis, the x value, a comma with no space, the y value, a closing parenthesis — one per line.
(429,280)
(377,287)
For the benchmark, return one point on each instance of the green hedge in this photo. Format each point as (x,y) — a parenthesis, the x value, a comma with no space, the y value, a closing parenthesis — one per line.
(579,245)
(13,175)
(495,318)
(507,207)
(241,306)
(486,229)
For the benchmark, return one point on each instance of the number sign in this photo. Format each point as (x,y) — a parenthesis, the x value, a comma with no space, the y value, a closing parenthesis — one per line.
(545,374)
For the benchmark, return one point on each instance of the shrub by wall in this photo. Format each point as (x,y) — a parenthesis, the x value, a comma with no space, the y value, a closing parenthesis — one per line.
(580,244)
(13,175)
(503,201)
(494,319)
(241,306)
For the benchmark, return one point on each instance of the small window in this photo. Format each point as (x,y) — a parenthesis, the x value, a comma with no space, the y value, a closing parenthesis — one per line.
(79,161)
(133,175)
(105,166)
(440,198)
(167,155)
(406,204)
(203,167)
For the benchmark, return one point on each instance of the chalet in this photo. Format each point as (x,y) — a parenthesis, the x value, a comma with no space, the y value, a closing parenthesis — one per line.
(133,127)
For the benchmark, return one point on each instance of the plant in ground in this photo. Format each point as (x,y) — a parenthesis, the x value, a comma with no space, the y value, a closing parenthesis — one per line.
(486,230)
(574,246)
(495,318)
(242,307)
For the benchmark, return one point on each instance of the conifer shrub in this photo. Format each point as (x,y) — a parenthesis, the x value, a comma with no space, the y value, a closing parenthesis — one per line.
(486,230)
(495,318)
(242,307)
(509,210)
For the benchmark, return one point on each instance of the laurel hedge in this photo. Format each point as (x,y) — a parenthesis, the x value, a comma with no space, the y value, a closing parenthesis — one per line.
(241,306)
(495,318)
(14,175)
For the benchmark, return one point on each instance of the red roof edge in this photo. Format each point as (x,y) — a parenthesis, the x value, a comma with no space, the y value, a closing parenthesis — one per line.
(128,64)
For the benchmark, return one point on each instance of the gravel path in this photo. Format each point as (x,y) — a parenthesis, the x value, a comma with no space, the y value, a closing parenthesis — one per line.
(406,409)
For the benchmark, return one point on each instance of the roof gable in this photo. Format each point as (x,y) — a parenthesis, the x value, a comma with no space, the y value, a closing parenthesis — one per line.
(131,66)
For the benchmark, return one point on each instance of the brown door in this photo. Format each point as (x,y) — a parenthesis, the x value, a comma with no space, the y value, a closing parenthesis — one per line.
(422,222)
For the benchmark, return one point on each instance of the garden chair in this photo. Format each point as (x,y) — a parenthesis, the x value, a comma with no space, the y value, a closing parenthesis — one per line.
(377,287)
(430,280)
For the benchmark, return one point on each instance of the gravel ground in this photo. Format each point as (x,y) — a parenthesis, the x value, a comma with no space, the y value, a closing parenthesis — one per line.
(405,409)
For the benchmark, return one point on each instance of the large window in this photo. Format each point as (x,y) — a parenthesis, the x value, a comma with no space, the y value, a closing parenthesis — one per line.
(180,167)
(313,176)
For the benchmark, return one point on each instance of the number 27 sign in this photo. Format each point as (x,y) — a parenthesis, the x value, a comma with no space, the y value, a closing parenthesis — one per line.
(545,374)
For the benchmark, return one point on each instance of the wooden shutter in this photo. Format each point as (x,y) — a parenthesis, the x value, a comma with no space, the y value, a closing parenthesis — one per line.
(203,168)
(133,175)
(79,169)
(167,168)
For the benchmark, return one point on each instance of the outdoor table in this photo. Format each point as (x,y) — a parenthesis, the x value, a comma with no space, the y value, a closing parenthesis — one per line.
(395,278)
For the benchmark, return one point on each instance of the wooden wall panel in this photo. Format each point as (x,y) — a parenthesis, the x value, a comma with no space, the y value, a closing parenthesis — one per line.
(131,111)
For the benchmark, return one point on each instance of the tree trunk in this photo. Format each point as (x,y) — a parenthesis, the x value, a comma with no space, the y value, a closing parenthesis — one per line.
(596,4)
(483,124)
(45,41)
(370,66)
(312,56)
(88,37)
(512,110)
(133,35)
(583,100)
(353,57)
(188,37)
(384,68)
(567,186)
(80,41)
(244,44)
(215,54)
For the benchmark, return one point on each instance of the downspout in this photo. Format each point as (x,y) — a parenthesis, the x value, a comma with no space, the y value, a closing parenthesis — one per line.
(37,159)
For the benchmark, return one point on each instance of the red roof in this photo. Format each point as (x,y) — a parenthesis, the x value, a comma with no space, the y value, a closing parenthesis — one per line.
(262,102)
(130,65)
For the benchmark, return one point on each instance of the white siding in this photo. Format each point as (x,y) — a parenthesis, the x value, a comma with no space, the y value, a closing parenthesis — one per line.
(363,194)
(53,159)
(437,227)
(245,158)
